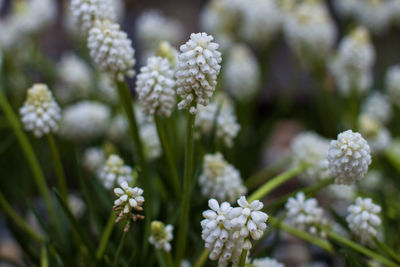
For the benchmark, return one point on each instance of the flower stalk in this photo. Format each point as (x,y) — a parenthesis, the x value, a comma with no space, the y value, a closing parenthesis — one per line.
(58,167)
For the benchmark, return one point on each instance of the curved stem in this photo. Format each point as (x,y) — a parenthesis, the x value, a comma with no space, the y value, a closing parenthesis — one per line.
(30,156)
(58,167)
(187,183)
(275,182)
(168,155)
(125,98)
(119,250)
(106,236)
(18,220)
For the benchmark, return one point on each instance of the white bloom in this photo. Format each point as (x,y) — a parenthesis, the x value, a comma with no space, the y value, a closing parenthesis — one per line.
(115,172)
(377,106)
(153,27)
(93,159)
(352,65)
(118,128)
(374,14)
(311,149)
(197,70)
(349,157)
(227,127)
(346,7)
(161,235)
(267,262)
(363,218)
(342,192)
(40,112)
(377,136)
(392,83)
(85,120)
(107,90)
(220,180)
(111,49)
(75,77)
(76,205)
(86,12)
(129,200)
(304,214)
(241,73)
(151,142)
(310,31)
(155,87)
(261,21)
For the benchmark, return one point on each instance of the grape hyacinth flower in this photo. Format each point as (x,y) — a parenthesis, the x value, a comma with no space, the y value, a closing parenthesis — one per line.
(114,171)
(129,200)
(349,157)
(197,70)
(111,49)
(40,112)
(220,180)
(155,87)
(161,235)
(392,83)
(363,218)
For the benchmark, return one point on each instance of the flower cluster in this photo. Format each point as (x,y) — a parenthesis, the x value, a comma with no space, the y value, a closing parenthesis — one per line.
(197,70)
(220,180)
(161,235)
(114,171)
(85,120)
(93,159)
(392,83)
(155,87)
(111,49)
(349,157)
(227,230)
(40,112)
(363,218)
(267,262)
(305,214)
(129,199)
(311,149)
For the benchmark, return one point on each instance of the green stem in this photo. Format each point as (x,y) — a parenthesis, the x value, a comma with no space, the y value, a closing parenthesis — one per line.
(265,173)
(120,248)
(275,182)
(168,155)
(388,250)
(44,257)
(300,234)
(243,257)
(187,183)
(58,167)
(168,259)
(125,98)
(361,249)
(105,236)
(30,156)
(202,258)
(18,220)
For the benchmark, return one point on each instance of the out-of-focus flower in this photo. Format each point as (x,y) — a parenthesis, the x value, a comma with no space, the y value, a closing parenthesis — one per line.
(226,126)
(310,32)
(155,87)
(341,192)
(111,49)
(377,136)
(115,172)
(118,128)
(167,51)
(107,90)
(311,149)
(267,262)
(349,157)
(76,205)
(129,200)
(261,21)
(75,78)
(392,83)
(93,159)
(153,28)
(151,142)
(220,180)
(304,214)
(372,180)
(161,235)
(40,112)
(85,120)
(352,65)
(377,106)
(363,219)
(376,15)
(241,73)
(197,70)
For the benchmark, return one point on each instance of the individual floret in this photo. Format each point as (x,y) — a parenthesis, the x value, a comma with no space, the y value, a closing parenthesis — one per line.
(197,70)
(363,219)
(115,172)
(40,112)
(349,157)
